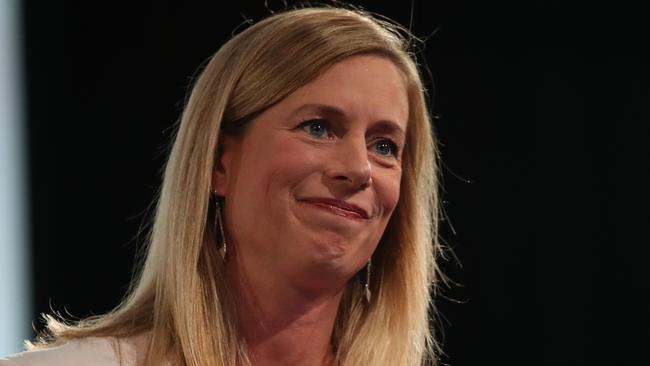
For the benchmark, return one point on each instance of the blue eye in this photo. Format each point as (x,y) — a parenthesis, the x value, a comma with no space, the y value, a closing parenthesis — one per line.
(386,148)
(316,127)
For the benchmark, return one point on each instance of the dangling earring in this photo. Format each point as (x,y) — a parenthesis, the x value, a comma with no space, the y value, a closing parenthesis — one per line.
(367,284)
(218,221)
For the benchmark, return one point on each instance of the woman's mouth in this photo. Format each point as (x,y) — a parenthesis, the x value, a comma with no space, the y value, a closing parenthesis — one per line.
(338,207)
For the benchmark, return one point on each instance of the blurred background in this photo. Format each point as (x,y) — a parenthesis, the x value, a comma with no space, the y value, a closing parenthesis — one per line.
(540,108)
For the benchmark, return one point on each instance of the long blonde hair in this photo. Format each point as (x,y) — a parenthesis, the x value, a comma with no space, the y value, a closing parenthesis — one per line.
(180,296)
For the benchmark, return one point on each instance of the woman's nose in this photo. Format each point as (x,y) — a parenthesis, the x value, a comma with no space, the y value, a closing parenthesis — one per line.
(349,164)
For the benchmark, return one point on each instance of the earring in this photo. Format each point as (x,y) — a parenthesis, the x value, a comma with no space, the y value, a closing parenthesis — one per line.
(367,284)
(218,221)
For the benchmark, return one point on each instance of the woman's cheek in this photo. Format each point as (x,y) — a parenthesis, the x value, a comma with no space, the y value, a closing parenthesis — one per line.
(296,155)
(387,185)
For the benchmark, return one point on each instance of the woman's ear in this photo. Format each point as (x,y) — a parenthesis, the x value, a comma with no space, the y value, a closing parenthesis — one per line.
(224,164)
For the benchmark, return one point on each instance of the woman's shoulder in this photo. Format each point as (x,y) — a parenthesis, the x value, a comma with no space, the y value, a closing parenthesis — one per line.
(95,351)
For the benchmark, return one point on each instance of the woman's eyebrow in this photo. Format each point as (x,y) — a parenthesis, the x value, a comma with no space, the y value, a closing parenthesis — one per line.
(386,126)
(321,108)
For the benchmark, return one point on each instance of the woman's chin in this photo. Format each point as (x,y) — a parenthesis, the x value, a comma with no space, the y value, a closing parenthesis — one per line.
(325,277)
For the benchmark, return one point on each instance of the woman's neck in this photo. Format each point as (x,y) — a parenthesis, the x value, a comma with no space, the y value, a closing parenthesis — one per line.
(281,324)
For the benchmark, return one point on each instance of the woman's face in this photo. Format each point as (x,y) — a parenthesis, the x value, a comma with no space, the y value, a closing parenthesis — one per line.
(311,184)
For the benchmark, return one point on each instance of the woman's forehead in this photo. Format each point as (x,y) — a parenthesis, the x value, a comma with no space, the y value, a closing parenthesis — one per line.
(368,86)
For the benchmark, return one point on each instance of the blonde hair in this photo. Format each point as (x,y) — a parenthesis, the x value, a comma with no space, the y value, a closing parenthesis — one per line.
(180,296)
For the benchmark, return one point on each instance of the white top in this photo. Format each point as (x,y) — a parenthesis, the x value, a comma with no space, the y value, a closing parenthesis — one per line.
(91,351)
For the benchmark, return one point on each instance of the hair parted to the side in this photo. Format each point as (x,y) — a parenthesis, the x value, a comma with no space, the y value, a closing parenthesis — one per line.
(180,297)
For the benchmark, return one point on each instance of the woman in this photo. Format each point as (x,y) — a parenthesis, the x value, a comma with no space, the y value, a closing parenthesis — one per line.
(297,220)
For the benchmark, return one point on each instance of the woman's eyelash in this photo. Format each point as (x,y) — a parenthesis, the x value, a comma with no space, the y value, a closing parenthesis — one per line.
(320,128)
(316,127)
(384,143)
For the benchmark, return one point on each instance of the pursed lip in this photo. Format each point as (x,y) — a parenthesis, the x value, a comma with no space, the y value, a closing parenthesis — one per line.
(342,205)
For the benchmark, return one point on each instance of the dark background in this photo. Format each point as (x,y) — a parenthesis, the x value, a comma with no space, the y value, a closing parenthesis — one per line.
(540,110)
